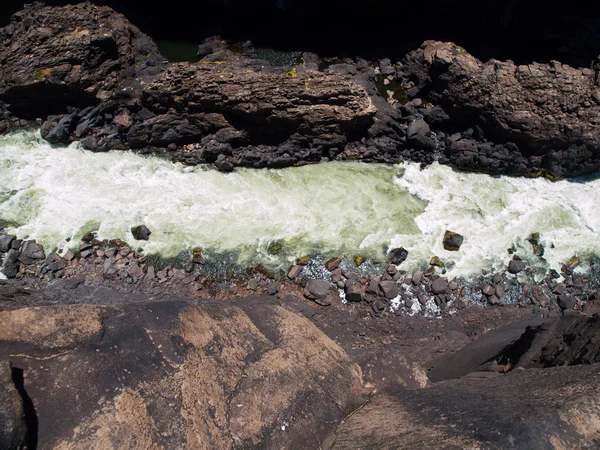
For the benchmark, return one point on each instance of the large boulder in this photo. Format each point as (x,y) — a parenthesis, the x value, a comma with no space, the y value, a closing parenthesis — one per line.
(550,111)
(176,374)
(76,55)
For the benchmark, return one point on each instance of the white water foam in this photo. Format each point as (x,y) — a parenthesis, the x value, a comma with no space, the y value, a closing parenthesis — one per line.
(56,195)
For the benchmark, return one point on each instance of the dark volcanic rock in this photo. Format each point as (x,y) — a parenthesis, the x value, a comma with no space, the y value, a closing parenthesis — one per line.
(397,256)
(353,291)
(77,55)
(452,241)
(6,242)
(516,265)
(141,232)
(10,265)
(31,252)
(548,110)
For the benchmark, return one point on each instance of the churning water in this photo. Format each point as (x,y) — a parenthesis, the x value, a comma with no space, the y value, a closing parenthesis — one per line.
(56,195)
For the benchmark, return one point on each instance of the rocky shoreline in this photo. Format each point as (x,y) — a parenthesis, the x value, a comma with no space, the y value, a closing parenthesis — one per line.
(386,290)
(231,109)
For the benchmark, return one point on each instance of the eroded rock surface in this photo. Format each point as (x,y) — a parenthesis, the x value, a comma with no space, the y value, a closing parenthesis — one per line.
(171,374)
(549,114)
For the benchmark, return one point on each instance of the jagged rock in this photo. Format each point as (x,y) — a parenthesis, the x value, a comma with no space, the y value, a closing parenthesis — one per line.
(397,256)
(195,374)
(550,110)
(104,51)
(141,233)
(516,265)
(6,242)
(13,430)
(452,241)
(31,252)
(10,265)
(417,277)
(389,288)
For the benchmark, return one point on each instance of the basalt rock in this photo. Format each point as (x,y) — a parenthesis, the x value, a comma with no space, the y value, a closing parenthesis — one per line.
(548,115)
(52,58)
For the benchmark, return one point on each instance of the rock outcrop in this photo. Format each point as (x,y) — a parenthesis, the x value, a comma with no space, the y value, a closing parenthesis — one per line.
(77,56)
(171,374)
(547,116)
(13,430)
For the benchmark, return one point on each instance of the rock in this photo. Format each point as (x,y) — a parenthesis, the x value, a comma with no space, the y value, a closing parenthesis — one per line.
(500,289)
(353,291)
(105,53)
(535,120)
(316,290)
(10,265)
(197,256)
(493,300)
(417,277)
(392,270)
(417,128)
(437,262)
(333,264)
(534,240)
(294,271)
(6,242)
(359,260)
(303,261)
(566,302)
(389,288)
(141,232)
(540,296)
(439,286)
(516,265)
(349,274)
(452,241)
(13,430)
(559,289)
(31,252)
(198,390)
(274,288)
(488,290)
(397,256)
(336,275)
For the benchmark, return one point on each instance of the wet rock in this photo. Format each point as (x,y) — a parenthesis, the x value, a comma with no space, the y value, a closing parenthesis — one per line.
(294,271)
(436,262)
(197,256)
(333,264)
(359,260)
(534,240)
(303,261)
(417,128)
(6,242)
(392,270)
(559,289)
(141,232)
(10,265)
(353,291)
(31,252)
(516,265)
(389,288)
(13,430)
(540,296)
(452,241)
(397,256)
(439,286)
